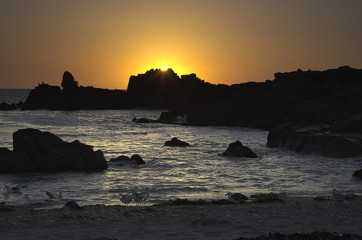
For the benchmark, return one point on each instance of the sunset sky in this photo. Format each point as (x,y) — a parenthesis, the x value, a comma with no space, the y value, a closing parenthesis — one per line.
(103,43)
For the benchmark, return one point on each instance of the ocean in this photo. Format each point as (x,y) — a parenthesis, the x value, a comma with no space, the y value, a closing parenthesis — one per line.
(195,172)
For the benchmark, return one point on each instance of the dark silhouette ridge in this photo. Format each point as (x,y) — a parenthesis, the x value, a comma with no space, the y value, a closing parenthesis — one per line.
(331,98)
(161,89)
(74,97)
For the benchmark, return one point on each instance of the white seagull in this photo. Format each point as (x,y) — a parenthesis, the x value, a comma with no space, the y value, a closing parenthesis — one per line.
(236,197)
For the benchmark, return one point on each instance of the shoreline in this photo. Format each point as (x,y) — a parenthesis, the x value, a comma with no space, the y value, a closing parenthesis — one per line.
(206,221)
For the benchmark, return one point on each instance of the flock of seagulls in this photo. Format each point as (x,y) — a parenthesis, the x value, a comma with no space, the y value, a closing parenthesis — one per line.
(16,191)
(133,196)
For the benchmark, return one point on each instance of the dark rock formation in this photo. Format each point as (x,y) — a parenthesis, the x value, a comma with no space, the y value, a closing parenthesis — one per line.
(73,97)
(144,120)
(35,150)
(331,97)
(43,96)
(301,96)
(321,139)
(6,106)
(161,89)
(358,174)
(239,150)
(135,159)
(120,159)
(176,143)
(12,162)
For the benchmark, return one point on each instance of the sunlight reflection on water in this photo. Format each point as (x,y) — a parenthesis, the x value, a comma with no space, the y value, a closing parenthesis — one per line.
(193,172)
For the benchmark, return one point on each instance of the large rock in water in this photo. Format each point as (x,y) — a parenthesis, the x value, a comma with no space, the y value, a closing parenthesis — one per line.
(320,139)
(11,162)
(239,150)
(48,152)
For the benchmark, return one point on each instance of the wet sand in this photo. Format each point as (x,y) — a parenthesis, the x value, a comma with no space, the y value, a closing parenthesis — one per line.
(209,221)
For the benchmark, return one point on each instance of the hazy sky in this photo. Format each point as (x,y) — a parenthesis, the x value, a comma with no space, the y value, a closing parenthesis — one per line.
(103,43)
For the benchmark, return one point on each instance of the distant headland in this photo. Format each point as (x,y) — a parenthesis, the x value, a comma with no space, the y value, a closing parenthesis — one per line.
(311,103)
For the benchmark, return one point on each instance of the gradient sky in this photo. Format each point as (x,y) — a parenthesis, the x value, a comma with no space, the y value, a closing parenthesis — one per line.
(103,43)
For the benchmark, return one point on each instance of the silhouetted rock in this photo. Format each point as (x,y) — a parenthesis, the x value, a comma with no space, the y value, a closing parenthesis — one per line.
(172,118)
(74,97)
(48,152)
(161,89)
(6,106)
(11,162)
(137,159)
(143,120)
(176,143)
(42,97)
(68,83)
(358,174)
(315,139)
(239,150)
(121,160)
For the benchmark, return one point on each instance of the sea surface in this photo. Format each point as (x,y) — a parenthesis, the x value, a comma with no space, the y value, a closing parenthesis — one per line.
(195,172)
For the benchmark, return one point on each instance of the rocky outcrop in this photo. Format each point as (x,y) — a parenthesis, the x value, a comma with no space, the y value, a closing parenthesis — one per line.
(73,97)
(300,96)
(12,162)
(35,150)
(237,149)
(320,139)
(134,159)
(161,89)
(6,106)
(174,142)
(43,96)
(358,174)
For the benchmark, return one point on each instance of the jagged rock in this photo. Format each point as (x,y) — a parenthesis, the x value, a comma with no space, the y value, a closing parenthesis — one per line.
(120,159)
(42,97)
(239,150)
(68,82)
(358,174)
(73,97)
(174,142)
(137,159)
(127,160)
(315,139)
(11,162)
(6,106)
(143,120)
(48,152)
(161,89)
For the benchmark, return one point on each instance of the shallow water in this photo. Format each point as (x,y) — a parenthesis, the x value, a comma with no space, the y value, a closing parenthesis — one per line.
(191,172)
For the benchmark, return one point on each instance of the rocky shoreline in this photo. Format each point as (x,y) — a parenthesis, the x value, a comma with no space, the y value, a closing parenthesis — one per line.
(300,218)
(331,98)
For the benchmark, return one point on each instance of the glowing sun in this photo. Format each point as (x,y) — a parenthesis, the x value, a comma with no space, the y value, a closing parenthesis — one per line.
(164,68)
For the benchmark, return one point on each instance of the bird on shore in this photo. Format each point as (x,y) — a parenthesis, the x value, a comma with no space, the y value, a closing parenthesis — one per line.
(126,199)
(236,197)
(135,196)
(143,195)
(72,205)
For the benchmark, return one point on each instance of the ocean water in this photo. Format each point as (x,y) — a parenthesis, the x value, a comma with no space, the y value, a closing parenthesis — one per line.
(195,172)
